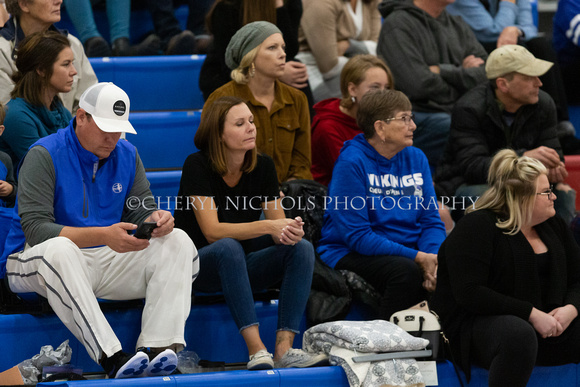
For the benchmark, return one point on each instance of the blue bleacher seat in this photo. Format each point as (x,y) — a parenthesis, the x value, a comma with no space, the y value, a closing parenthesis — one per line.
(319,377)
(164,139)
(334,376)
(164,187)
(210,332)
(155,83)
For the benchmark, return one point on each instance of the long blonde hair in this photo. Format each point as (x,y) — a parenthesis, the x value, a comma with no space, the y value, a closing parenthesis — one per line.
(512,190)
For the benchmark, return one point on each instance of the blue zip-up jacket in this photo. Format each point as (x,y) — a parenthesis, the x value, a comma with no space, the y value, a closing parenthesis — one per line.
(85,194)
(380,206)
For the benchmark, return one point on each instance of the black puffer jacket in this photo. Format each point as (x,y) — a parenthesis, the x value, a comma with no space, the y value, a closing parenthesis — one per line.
(478,132)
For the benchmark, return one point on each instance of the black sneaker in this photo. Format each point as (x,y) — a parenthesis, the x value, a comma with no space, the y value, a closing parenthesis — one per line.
(97,47)
(160,364)
(150,46)
(182,44)
(122,365)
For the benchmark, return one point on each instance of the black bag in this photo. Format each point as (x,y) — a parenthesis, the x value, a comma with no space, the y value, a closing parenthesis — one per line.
(330,297)
(305,198)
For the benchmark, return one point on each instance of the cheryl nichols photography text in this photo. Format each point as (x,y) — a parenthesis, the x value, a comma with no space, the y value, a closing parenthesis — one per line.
(354,203)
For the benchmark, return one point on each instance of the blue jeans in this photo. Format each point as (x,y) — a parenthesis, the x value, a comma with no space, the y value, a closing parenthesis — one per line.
(431,134)
(81,15)
(226,266)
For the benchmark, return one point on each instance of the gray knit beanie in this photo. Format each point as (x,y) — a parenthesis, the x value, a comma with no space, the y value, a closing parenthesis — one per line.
(246,39)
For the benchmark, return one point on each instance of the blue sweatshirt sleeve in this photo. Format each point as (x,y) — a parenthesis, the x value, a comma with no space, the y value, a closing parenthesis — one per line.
(432,227)
(351,225)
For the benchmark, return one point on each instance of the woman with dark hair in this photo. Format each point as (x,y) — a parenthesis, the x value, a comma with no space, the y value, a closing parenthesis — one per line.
(225,187)
(508,283)
(45,69)
(226,17)
(335,119)
(256,55)
(28,17)
(382,219)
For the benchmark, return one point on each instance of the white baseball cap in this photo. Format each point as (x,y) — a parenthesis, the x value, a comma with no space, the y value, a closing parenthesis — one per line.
(109,106)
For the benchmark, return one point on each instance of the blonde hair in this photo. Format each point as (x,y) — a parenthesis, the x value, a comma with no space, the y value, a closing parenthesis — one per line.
(355,71)
(242,75)
(512,190)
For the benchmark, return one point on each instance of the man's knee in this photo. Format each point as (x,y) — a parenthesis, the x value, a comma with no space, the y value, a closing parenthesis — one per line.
(60,249)
(180,238)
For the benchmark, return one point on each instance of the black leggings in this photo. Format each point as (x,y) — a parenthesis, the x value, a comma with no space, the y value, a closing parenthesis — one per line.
(509,348)
(398,279)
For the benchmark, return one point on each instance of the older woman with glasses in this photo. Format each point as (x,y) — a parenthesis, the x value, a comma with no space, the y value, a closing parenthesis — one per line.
(508,290)
(382,220)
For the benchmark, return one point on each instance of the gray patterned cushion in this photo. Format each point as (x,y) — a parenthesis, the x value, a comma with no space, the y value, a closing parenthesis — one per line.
(361,336)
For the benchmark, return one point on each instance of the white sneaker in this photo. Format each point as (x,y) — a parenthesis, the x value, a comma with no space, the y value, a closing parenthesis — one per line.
(297,358)
(163,364)
(261,360)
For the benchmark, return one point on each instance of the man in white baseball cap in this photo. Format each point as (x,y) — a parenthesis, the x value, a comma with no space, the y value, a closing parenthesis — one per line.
(109,106)
(83,189)
(508,112)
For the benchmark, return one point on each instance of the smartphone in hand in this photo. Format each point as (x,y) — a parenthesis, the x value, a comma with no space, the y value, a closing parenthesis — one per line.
(145,229)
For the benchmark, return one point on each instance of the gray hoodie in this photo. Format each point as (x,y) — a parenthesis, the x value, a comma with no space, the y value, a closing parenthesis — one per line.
(411,40)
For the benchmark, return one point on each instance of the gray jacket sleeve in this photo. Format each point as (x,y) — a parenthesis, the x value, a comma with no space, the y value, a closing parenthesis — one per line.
(36,197)
(140,203)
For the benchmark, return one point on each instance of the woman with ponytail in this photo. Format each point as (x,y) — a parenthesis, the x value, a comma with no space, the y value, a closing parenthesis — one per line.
(257,57)
(508,282)
(45,68)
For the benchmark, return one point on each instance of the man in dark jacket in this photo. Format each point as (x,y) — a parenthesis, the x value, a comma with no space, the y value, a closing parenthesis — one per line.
(435,59)
(508,112)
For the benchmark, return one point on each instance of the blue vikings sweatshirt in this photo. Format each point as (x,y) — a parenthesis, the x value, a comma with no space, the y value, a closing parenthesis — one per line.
(380,206)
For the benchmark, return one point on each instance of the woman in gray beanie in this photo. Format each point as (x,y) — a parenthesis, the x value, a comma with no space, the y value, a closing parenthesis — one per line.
(256,55)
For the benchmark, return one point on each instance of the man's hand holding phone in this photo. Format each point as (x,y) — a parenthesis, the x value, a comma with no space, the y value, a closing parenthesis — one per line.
(145,229)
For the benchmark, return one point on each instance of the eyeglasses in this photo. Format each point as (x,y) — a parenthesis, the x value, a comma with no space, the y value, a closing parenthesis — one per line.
(405,119)
(549,192)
